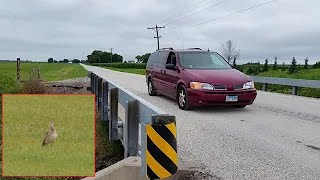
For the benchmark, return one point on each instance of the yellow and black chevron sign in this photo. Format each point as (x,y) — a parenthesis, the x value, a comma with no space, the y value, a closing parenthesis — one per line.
(161,153)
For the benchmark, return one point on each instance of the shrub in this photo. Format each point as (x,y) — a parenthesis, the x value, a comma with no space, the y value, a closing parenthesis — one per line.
(316,65)
(8,85)
(33,87)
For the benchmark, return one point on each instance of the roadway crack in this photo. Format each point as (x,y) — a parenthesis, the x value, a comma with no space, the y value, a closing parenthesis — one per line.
(313,147)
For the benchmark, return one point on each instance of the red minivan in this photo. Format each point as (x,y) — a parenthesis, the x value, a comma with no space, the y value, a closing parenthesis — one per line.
(195,77)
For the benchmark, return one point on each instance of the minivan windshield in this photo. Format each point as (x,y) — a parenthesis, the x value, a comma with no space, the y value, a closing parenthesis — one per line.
(202,60)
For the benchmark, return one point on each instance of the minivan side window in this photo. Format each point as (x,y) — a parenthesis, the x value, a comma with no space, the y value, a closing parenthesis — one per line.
(172,59)
(151,59)
(161,59)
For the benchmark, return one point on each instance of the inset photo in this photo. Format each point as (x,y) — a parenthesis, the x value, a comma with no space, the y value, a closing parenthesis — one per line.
(48,136)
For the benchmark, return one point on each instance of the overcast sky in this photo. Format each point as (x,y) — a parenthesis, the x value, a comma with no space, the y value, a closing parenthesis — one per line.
(39,29)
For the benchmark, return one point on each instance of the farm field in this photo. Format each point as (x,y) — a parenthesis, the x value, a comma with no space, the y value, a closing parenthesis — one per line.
(26,119)
(49,71)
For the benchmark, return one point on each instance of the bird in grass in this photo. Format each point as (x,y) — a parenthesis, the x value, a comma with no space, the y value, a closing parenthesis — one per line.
(50,136)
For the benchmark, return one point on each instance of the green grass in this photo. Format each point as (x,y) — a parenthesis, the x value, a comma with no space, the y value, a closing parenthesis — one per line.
(27,118)
(310,74)
(129,70)
(49,71)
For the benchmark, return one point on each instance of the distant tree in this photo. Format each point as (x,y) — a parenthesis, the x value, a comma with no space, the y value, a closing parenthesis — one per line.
(306,66)
(240,68)
(65,60)
(235,59)
(50,60)
(55,61)
(117,58)
(283,67)
(250,71)
(316,65)
(103,57)
(293,67)
(76,61)
(83,61)
(60,61)
(143,58)
(265,66)
(259,66)
(275,65)
(229,51)
(125,62)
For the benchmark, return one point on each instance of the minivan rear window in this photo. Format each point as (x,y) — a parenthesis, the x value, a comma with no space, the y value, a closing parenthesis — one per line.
(202,60)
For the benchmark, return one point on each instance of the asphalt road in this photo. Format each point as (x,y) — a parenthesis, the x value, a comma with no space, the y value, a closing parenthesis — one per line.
(278,137)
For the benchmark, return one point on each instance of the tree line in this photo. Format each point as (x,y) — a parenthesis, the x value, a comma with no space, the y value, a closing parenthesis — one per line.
(51,60)
(256,68)
(104,57)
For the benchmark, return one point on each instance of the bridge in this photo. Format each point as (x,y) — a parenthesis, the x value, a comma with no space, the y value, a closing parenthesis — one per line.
(278,137)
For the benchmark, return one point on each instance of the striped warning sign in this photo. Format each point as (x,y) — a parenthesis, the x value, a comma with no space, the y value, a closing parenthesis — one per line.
(161,153)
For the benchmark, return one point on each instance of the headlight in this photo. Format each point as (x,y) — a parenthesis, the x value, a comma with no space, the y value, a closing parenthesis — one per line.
(197,85)
(248,85)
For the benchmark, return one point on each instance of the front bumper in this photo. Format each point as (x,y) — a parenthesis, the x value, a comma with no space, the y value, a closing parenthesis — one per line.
(202,97)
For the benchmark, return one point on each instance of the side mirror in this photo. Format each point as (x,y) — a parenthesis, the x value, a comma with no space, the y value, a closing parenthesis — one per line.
(170,66)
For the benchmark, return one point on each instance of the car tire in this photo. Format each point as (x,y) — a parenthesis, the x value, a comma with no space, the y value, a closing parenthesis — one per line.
(182,98)
(239,106)
(151,89)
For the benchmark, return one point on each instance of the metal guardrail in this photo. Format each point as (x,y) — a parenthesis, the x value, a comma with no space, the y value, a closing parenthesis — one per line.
(131,131)
(294,83)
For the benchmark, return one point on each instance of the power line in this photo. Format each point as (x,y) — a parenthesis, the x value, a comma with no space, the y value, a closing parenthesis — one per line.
(157,29)
(221,17)
(213,5)
(195,6)
(240,11)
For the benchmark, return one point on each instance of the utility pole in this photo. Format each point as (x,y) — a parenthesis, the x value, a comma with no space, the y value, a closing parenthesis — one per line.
(111,55)
(157,29)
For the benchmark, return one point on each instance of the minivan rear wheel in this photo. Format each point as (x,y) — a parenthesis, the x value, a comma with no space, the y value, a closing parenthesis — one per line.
(182,98)
(151,90)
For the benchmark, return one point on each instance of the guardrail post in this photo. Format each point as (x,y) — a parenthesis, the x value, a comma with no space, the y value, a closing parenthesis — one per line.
(96,90)
(99,95)
(294,90)
(161,147)
(264,86)
(113,130)
(105,90)
(94,83)
(89,76)
(131,130)
(91,82)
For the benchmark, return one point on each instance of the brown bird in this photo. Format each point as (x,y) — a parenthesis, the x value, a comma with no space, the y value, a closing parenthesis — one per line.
(50,136)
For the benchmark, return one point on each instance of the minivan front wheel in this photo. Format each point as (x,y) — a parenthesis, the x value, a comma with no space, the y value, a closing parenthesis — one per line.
(151,90)
(182,98)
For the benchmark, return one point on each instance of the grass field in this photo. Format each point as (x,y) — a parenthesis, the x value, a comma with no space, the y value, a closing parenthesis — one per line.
(27,118)
(49,71)
(128,70)
(310,74)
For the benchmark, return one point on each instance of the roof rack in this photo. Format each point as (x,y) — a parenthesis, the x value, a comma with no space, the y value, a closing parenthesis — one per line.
(196,48)
(169,48)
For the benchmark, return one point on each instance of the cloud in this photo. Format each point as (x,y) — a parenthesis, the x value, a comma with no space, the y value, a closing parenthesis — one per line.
(37,30)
